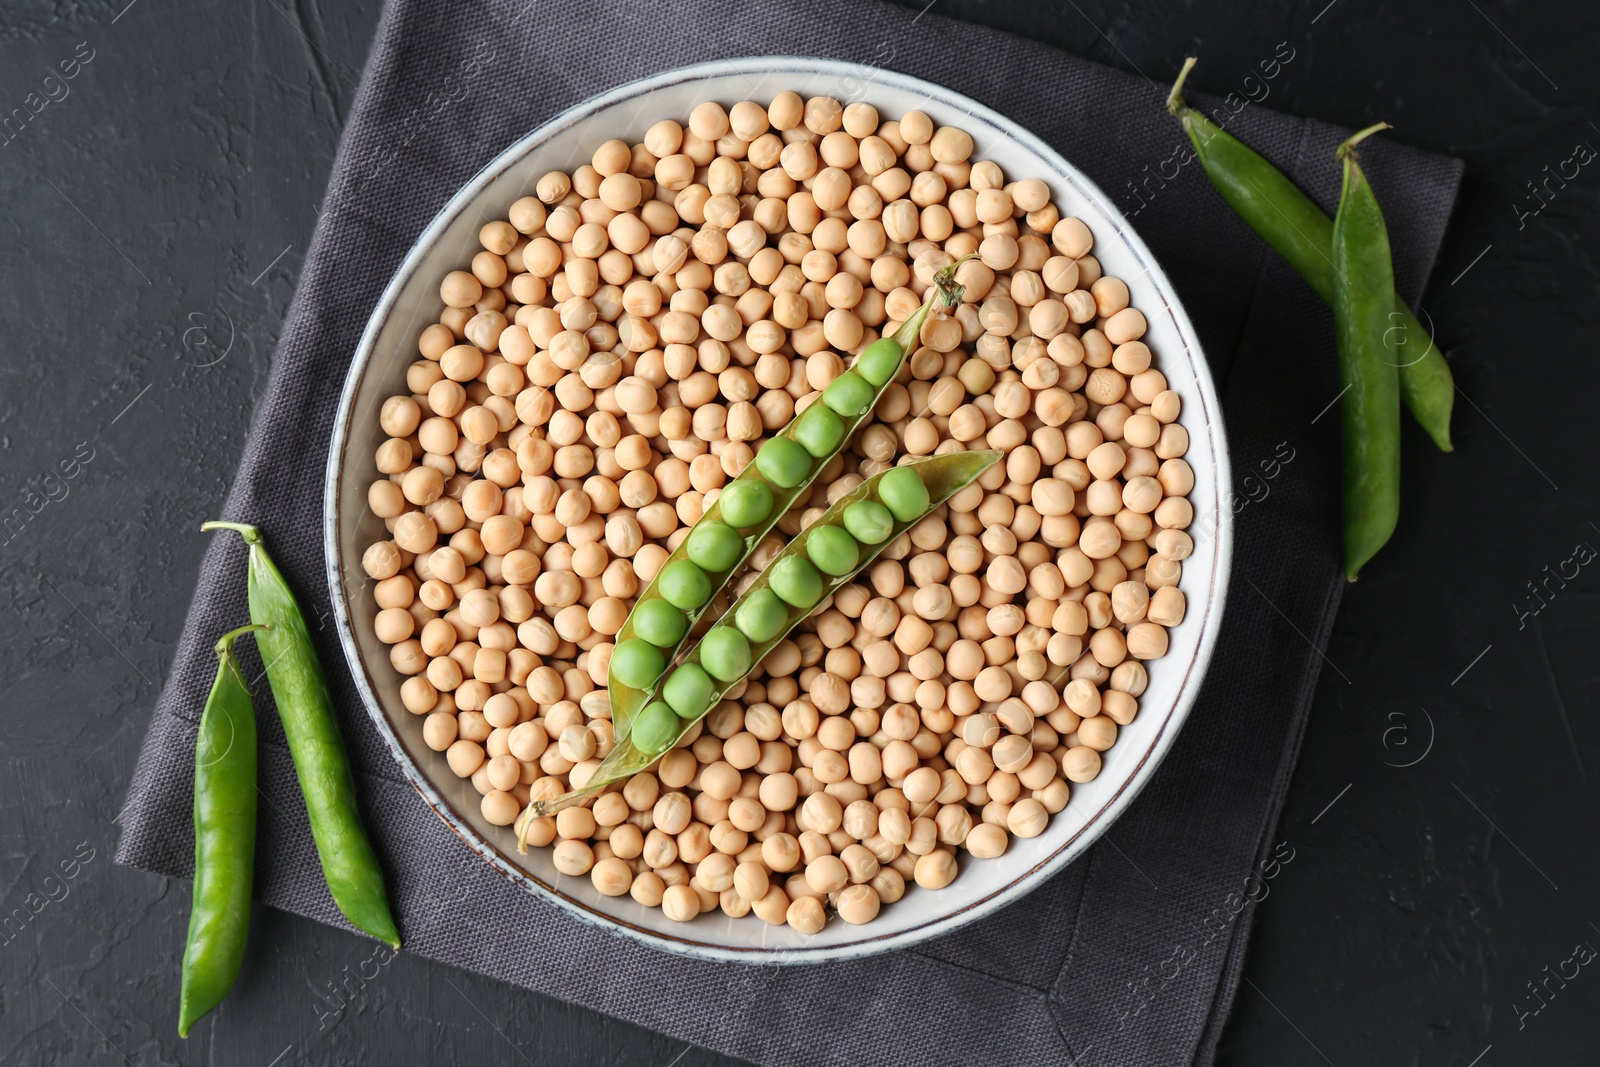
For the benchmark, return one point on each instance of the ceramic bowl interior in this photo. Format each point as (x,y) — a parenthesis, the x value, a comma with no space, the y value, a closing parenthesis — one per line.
(412,302)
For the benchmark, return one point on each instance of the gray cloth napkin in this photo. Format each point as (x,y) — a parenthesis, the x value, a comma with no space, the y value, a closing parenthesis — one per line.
(1130,956)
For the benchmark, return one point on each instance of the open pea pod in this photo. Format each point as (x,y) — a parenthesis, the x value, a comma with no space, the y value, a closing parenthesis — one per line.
(894,506)
(748,508)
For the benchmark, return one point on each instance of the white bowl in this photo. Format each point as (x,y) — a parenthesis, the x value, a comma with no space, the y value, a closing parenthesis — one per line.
(411,302)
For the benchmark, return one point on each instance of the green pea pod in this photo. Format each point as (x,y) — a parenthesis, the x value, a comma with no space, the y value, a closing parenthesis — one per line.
(224,839)
(647,659)
(1363,279)
(942,476)
(1301,232)
(349,865)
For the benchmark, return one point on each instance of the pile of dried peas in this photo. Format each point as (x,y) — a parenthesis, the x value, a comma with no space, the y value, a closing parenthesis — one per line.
(621,347)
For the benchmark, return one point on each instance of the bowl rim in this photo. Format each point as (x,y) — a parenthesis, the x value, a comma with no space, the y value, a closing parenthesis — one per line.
(1023,882)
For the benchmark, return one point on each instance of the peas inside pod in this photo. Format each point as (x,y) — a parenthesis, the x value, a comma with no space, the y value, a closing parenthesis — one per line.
(785,593)
(747,508)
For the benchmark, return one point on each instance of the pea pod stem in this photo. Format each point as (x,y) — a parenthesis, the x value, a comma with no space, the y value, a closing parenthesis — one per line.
(224,839)
(305,706)
(1363,278)
(943,475)
(1302,233)
(626,701)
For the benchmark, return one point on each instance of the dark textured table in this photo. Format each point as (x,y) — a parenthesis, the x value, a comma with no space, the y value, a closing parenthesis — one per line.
(162,166)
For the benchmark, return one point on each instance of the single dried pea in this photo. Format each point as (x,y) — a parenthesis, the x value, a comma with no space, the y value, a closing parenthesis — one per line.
(849,394)
(659,623)
(783,462)
(746,502)
(725,654)
(761,615)
(715,546)
(685,585)
(868,522)
(819,431)
(796,581)
(655,728)
(688,691)
(903,493)
(637,662)
(833,550)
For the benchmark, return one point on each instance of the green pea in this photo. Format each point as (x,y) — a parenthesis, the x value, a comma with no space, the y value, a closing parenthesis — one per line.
(725,654)
(715,546)
(684,585)
(795,581)
(904,494)
(659,623)
(761,616)
(833,550)
(868,522)
(879,361)
(688,690)
(819,431)
(849,394)
(655,727)
(783,462)
(745,502)
(637,662)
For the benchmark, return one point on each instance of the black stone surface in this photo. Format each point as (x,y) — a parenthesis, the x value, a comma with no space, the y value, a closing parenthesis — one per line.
(157,205)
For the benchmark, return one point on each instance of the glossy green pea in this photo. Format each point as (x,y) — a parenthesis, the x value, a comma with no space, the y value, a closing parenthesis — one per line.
(725,654)
(849,394)
(637,662)
(868,522)
(879,361)
(745,502)
(684,585)
(761,615)
(715,546)
(688,691)
(783,462)
(795,581)
(903,493)
(819,431)
(659,623)
(833,550)
(655,728)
